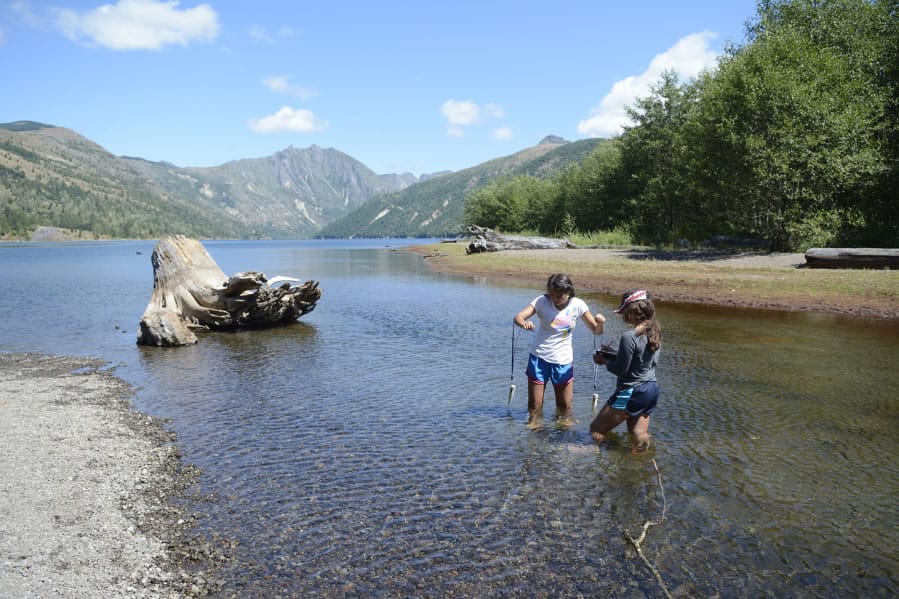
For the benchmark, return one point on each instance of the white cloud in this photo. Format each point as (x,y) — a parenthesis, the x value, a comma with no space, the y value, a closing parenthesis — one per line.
(288,119)
(502,134)
(688,57)
(282,85)
(139,24)
(462,113)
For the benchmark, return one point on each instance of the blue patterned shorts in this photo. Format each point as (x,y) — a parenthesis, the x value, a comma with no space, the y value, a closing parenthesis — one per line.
(637,400)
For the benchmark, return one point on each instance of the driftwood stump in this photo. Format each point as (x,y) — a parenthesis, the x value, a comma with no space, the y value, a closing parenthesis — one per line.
(488,240)
(852,258)
(191,292)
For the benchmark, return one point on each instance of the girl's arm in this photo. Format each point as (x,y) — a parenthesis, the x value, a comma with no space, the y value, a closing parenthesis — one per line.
(594,322)
(521,319)
(627,344)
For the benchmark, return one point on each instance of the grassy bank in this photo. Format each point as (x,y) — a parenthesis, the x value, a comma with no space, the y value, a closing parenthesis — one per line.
(762,280)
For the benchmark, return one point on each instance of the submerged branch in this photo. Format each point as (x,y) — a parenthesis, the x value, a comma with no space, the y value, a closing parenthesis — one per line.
(646,525)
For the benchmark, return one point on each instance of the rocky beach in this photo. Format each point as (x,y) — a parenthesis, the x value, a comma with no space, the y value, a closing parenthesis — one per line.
(87,487)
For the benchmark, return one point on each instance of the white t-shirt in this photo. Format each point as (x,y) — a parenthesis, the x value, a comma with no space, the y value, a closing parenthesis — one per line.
(553,339)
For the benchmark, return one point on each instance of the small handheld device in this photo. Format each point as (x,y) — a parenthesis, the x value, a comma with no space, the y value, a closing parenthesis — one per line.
(608,353)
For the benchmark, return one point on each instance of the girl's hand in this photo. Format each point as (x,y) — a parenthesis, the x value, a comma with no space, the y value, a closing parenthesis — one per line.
(527,325)
(599,325)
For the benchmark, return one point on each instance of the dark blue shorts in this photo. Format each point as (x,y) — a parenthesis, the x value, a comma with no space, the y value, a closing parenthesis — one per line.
(636,401)
(540,371)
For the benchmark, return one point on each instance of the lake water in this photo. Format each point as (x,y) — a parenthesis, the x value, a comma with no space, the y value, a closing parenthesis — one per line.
(369,449)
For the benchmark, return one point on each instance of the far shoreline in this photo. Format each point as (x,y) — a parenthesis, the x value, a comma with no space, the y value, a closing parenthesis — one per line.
(760,280)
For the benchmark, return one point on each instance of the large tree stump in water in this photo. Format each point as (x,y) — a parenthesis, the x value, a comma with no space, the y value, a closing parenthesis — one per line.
(191,292)
(488,240)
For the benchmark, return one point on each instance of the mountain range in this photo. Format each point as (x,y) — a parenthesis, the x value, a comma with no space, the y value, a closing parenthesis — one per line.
(52,176)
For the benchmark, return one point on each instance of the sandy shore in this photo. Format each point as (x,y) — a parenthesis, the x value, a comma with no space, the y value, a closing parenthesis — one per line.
(86,485)
(763,280)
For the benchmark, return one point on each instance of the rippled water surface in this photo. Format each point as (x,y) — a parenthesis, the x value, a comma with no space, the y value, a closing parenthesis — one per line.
(369,449)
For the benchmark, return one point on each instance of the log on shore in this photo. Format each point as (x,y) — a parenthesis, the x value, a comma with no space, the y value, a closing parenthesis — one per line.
(488,240)
(852,258)
(190,292)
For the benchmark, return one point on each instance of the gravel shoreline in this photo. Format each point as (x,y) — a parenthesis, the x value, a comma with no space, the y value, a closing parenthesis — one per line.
(87,486)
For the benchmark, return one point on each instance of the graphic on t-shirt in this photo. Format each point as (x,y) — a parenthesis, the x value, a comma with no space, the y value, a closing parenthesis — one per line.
(563,323)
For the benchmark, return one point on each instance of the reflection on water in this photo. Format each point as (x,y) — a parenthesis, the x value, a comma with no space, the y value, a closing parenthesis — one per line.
(368,450)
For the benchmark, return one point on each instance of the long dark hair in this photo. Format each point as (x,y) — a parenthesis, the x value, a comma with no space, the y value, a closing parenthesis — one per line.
(560,282)
(640,311)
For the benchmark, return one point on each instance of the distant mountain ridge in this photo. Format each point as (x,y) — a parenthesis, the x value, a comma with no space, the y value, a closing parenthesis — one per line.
(52,176)
(292,193)
(435,208)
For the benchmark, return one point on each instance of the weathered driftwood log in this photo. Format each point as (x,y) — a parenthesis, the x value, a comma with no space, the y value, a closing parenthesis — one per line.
(488,240)
(191,292)
(852,258)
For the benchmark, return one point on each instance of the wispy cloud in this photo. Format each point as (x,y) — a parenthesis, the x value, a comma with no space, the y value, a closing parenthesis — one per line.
(688,57)
(494,111)
(288,119)
(138,24)
(261,33)
(23,12)
(502,134)
(463,113)
(282,85)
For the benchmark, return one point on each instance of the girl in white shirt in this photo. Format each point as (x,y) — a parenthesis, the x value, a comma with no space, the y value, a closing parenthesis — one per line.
(551,355)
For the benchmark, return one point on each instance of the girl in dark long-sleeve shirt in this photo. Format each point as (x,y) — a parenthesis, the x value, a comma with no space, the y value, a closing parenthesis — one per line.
(636,390)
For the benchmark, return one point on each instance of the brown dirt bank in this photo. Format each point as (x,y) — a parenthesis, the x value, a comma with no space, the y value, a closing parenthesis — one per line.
(750,280)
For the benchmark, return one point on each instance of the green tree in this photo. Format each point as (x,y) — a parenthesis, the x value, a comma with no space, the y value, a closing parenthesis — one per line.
(653,160)
(510,204)
(592,192)
(794,125)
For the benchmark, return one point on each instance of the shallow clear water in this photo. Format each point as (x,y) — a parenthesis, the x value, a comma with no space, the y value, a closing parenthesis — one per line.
(368,449)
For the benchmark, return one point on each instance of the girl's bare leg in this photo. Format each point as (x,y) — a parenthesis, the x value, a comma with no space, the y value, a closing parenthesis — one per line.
(607,419)
(639,428)
(535,399)
(564,397)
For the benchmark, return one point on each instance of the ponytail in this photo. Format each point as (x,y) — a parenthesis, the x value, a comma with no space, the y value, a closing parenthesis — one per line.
(654,335)
(643,310)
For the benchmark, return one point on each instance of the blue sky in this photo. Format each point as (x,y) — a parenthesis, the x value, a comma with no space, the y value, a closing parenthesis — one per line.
(402,86)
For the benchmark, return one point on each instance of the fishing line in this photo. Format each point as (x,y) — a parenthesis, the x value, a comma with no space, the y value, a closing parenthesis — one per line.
(595,370)
(512,376)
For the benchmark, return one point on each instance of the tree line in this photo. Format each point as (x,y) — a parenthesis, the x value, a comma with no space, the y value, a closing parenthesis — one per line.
(793,140)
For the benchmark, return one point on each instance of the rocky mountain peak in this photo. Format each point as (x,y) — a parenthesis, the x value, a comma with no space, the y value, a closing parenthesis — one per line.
(554,140)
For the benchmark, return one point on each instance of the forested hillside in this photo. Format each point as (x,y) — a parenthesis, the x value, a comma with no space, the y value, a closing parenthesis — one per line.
(793,140)
(52,176)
